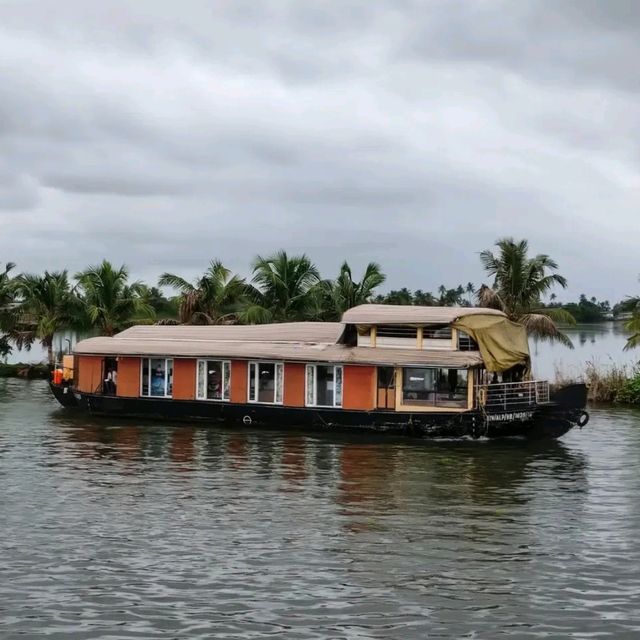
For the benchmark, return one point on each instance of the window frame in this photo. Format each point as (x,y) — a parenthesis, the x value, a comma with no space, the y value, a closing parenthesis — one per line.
(278,365)
(223,383)
(314,394)
(436,405)
(166,376)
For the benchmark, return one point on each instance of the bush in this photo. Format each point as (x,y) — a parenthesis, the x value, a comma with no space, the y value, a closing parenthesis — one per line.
(629,393)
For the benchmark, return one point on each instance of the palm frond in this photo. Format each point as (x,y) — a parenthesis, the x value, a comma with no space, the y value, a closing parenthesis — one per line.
(544,328)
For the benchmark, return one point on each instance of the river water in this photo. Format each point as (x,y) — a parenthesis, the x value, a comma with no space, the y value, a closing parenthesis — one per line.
(120,530)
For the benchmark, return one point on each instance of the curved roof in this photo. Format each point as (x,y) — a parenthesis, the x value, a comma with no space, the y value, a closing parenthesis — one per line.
(411,315)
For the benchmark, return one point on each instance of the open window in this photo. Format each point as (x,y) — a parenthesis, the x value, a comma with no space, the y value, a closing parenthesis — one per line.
(157,377)
(214,380)
(266,382)
(324,385)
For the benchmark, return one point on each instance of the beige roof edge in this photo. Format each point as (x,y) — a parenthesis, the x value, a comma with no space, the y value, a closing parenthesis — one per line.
(293,352)
(370,314)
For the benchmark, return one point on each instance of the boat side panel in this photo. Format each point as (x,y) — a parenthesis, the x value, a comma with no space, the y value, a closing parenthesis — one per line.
(239,380)
(184,379)
(359,388)
(128,377)
(89,373)
(294,384)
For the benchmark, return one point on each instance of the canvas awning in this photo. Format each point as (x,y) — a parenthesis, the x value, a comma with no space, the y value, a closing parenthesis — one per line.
(502,343)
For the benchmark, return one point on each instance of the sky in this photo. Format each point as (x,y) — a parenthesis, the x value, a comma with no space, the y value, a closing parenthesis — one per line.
(163,134)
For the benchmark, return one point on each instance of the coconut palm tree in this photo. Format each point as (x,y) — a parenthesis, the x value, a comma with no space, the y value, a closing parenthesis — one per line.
(632,325)
(519,284)
(283,289)
(216,297)
(110,303)
(336,296)
(47,305)
(470,289)
(7,308)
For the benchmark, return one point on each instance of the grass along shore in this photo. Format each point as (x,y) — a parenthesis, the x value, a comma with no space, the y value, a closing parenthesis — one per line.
(616,384)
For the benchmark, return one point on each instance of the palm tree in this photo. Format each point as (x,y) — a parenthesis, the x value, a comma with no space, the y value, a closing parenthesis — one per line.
(7,308)
(470,289)
(48,305)
(284,289)
(214,298)
(633,325)
(519,284)
(110,303)
(336,296)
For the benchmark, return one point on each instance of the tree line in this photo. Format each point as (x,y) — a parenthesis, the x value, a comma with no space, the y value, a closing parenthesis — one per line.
(101,300)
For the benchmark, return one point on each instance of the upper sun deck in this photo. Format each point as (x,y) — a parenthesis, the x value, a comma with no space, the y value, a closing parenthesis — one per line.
(413,327)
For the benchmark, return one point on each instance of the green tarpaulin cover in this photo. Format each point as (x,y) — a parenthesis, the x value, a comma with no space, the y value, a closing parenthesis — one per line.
(502,343)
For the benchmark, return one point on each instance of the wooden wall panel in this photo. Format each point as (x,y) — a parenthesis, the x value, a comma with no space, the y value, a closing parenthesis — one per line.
(239,381)
(89,374)
(294,384)
(128,385)
(359,387)
(184,379)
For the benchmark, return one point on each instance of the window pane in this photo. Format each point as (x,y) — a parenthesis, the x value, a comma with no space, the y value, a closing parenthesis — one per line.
(214,380)
(452,386)
(253,374)
(418,386)
(169,364)
(339,386)
(145,376)
(279,382)
(158,372)
(310,384)
(227,379)
(202,369)
(324,386)
(266,382)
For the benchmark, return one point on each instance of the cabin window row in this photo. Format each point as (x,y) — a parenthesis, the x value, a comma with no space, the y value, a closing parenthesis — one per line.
(421,386)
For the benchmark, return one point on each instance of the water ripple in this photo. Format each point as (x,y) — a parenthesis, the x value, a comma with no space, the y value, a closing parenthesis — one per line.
(119,530)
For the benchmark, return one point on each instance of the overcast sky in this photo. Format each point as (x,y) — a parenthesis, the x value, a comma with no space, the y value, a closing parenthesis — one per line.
(163,134)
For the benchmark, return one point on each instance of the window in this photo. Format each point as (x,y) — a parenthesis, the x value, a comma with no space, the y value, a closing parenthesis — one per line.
(397,332)
(214,377)
(427,387)
(442,333)
(324,386)
(266,382)
(157,377)
(466,342)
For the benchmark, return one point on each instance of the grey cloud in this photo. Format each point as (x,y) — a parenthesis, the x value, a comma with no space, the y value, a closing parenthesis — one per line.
(163,134)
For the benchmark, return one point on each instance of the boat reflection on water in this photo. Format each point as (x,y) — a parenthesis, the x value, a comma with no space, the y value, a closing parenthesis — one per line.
(364,470)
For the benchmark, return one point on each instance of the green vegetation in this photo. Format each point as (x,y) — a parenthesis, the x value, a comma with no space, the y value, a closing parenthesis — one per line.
(614,384)
(101,301)
(519,284)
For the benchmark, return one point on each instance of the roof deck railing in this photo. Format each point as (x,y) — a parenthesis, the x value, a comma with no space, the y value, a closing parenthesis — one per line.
(513,396)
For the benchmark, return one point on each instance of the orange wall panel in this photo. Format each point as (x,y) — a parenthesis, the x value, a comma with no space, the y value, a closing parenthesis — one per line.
(128,385)
(89,374)
(239,381)
(184,379)
(294,384)
(359,388)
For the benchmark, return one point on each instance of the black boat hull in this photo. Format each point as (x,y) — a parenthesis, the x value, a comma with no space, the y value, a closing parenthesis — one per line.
(548,421)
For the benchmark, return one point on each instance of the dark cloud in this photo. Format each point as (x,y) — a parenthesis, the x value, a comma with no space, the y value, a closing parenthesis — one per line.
(164,134)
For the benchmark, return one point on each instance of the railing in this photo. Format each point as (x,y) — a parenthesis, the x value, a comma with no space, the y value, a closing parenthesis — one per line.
(513,396)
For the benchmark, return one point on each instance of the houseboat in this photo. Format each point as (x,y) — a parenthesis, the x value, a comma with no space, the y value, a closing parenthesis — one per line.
(429,371)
